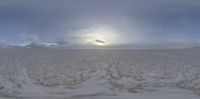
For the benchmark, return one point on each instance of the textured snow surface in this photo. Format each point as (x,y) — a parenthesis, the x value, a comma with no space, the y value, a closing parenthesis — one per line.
(99,74)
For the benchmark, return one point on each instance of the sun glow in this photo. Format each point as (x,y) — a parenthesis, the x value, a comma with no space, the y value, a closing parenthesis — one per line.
(101,37)
(98,37)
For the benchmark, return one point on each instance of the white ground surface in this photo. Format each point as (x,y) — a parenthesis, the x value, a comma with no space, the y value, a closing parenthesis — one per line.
(99,74)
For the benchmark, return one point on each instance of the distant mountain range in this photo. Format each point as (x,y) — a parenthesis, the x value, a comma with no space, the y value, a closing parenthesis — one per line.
(64,44)
(36,45)
(3,45)
(57,44)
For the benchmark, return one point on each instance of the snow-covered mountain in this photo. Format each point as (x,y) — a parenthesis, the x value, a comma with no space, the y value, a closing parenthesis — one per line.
(35,45)
(3,45)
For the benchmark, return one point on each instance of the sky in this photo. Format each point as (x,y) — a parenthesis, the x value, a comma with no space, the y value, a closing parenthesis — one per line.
(123,23)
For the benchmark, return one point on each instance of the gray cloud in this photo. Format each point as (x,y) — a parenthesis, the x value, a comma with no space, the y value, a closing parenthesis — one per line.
(29,38)
(138,21)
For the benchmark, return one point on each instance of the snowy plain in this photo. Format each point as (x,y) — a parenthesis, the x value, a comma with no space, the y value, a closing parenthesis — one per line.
(99,73)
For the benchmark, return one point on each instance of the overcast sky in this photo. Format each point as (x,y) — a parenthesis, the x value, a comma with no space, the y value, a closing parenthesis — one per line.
(131,22)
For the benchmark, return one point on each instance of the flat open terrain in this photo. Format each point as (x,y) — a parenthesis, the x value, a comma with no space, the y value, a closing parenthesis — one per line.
(99,74)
